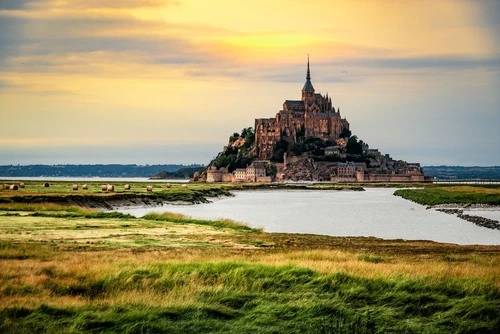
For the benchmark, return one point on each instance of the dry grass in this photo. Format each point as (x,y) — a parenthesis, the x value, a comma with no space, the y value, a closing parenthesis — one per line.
(108,272)
(472,189)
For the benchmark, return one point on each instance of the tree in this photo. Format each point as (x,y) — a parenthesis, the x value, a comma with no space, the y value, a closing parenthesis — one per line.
(346,133)
(272,170)
(233,138)
(353,146)
(279,150)
(247,132)
(330,142)
(301,133)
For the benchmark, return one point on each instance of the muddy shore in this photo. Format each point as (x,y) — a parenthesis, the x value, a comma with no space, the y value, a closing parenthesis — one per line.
(119,200)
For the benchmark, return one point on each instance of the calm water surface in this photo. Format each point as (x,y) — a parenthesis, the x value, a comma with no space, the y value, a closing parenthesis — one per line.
(374,212)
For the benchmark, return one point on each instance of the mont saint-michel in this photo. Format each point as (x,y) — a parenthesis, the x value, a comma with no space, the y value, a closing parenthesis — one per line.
(307,140)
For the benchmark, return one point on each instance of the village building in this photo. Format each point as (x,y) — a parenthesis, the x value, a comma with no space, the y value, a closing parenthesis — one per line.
(255,172)
(349,172)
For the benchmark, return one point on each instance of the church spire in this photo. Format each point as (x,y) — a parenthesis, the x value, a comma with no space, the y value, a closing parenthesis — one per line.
(308,76)
(308,87)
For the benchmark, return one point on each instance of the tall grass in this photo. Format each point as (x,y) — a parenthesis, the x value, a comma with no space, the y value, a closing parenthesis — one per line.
(52,282)
(45,207)
(237,297)
(183,219)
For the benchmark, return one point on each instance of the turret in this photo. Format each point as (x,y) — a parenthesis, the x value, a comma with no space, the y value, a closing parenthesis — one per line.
(308,89)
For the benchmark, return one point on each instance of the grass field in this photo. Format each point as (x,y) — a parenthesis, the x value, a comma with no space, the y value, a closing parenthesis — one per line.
(68,269)
(452,194)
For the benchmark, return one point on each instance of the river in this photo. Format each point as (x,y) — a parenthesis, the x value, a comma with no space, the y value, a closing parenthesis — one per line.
(375,212)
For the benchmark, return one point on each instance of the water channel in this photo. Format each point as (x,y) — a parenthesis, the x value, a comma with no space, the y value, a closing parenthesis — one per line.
(375,212)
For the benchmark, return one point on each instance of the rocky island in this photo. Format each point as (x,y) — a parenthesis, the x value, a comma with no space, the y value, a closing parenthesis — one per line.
(307,140)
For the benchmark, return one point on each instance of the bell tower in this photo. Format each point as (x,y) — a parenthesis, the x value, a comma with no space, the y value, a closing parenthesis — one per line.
(308,89)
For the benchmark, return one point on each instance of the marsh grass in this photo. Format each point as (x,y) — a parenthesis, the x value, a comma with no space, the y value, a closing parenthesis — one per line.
(66,288)
(82,214)
(43,207)
(64,269)
(242,297)
(183,219)
(452,195)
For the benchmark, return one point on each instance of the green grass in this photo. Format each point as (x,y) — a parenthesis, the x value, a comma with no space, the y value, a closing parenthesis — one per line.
(182,219)
(68,269)
(452,195)
(247,298)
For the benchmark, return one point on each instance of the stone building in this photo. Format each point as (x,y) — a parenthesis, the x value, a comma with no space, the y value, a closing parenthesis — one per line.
(214,174)
(349,171)
(256,172)
(313,115)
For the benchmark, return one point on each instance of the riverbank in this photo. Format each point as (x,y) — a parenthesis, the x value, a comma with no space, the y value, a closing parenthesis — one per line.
(454,200)
(137,194)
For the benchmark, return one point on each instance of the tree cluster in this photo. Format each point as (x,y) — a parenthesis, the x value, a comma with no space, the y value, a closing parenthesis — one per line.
(236,157)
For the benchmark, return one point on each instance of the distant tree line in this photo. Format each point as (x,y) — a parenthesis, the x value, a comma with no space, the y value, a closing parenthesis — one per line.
(183,173)
(112,170)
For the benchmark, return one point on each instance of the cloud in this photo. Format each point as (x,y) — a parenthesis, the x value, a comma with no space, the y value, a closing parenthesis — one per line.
(15,4)
(83,4)
(131,4)
(45,43)
(4,85)
(431,62)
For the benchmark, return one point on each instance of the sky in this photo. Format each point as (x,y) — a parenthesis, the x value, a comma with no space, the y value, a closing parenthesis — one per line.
(151,81)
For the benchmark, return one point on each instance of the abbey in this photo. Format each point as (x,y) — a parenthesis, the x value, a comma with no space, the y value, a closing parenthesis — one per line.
(307,140)
(313,116)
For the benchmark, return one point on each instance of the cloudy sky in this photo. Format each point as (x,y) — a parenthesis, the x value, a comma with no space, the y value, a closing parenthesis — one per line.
(151,81)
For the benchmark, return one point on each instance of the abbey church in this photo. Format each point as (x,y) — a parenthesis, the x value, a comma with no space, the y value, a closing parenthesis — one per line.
(313,116)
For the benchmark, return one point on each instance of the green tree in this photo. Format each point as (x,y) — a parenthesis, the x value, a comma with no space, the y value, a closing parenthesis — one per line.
(233,138)
(301,133)
(353,146)
(346,133)
(279,150)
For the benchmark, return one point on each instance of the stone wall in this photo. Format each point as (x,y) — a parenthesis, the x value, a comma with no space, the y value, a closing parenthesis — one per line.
(394,178)
(267,134)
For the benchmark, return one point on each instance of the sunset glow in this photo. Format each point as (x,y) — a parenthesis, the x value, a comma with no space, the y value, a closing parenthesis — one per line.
(173,79)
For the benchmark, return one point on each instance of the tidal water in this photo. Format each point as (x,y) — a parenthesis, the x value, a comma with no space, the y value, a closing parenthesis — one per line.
(374,212)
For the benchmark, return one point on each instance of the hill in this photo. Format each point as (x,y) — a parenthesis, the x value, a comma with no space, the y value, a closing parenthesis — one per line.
(183,173)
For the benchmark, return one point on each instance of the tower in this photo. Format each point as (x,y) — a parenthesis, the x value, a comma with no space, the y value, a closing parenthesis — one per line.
(308,89)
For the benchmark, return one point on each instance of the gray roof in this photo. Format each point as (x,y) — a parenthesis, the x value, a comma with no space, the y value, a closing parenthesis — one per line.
(294,102)
(308,86)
